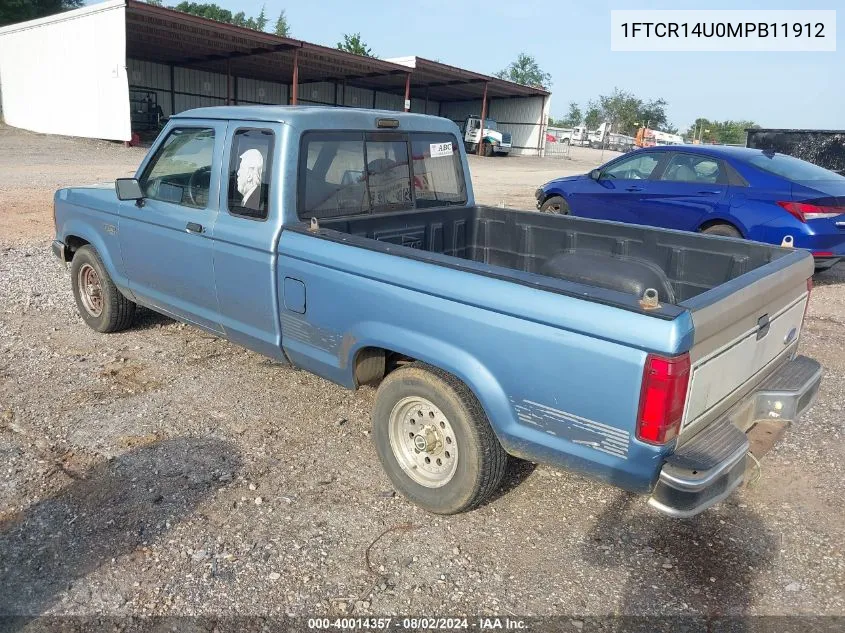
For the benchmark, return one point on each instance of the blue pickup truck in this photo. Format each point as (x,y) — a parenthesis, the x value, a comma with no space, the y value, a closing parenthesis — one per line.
(348,243)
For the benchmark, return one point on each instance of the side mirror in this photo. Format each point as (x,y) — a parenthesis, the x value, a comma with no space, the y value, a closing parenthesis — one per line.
(128,189)
(595,174)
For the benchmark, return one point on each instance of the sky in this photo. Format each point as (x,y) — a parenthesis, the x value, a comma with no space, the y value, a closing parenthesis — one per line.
(571,41)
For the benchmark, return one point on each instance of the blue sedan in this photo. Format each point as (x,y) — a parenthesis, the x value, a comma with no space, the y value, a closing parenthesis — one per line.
(729,191)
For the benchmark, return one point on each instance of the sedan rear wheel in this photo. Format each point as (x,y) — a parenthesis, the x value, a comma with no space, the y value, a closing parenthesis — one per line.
(725,230)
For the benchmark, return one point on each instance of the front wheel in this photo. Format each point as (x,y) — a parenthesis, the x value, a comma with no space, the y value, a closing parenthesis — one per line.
(487,149)
(100,304)
(434,440)
(555,205)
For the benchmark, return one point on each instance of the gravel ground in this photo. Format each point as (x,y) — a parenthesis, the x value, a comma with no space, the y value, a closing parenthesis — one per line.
(164,471)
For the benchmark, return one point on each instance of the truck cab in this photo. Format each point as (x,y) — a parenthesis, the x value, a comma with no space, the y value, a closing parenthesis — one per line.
(493,141)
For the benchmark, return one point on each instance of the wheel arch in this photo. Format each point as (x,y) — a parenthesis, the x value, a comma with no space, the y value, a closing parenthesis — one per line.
(732,222)
(401,344)
(551,193)
(77,234)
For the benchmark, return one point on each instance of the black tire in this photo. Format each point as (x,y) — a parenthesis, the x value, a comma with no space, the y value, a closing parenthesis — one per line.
(487,149)
(556,205)
(116,311)
(725,230)
(481,460)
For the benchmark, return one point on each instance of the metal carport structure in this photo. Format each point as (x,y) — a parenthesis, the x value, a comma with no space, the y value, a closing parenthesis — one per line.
(100,58)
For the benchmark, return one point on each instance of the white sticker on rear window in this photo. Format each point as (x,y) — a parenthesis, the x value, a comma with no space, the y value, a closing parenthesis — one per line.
(441,149)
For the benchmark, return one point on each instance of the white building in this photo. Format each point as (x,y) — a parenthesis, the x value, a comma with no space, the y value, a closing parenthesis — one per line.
(107,70)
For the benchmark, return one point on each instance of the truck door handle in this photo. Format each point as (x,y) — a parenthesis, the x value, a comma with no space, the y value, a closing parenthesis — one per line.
(710,191)
(193,227)
(634,189)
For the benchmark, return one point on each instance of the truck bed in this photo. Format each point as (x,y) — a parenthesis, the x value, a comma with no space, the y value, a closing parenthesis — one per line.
(563,253)
(725,293)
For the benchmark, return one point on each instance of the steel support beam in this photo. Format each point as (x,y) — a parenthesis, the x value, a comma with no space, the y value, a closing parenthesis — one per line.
(483,116)
(172,91)
(295,83)
(228,82)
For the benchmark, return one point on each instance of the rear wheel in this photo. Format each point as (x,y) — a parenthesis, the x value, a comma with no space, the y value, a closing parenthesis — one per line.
(556,205)
(434,440)
(725,230)
(98,301)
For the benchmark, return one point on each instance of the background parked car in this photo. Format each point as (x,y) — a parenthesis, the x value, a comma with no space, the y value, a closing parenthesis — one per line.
(729,191)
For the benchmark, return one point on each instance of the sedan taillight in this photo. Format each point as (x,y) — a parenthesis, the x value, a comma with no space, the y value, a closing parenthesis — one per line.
(804,211)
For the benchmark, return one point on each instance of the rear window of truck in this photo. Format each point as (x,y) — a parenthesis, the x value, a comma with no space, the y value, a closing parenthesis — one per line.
(355,173)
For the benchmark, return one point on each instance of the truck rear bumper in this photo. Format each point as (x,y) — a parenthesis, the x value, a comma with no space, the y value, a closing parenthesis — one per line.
(712,465)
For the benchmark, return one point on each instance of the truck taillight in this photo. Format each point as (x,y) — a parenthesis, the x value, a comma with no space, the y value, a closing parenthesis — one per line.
(662,399)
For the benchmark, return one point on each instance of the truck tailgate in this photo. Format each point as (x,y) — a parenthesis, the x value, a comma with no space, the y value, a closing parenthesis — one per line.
(744,330)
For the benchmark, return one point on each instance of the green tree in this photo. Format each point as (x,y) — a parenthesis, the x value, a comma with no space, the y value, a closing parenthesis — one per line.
(592,117)
(573,117)
(155,3)
(352,43)
(261,20)
(727,132)
(215,12)
(210,11)
(526,71)
(12,11)
(240,19)
(655,112)
(626,112)
(282,27)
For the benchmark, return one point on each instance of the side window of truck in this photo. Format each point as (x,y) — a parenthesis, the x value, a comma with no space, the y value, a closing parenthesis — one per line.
(180,171)
(250,171)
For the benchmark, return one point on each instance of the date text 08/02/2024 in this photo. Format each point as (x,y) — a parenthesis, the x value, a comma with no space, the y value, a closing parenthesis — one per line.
(419,623)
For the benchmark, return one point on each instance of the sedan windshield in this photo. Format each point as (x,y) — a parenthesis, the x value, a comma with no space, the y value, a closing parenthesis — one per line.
(792,168)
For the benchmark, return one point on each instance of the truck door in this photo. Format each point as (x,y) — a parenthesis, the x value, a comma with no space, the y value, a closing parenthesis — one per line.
(166,242)
(245,235)
(472,136)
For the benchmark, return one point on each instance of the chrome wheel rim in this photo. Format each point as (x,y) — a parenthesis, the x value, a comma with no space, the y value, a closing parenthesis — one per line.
(423,442)
(90,290)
